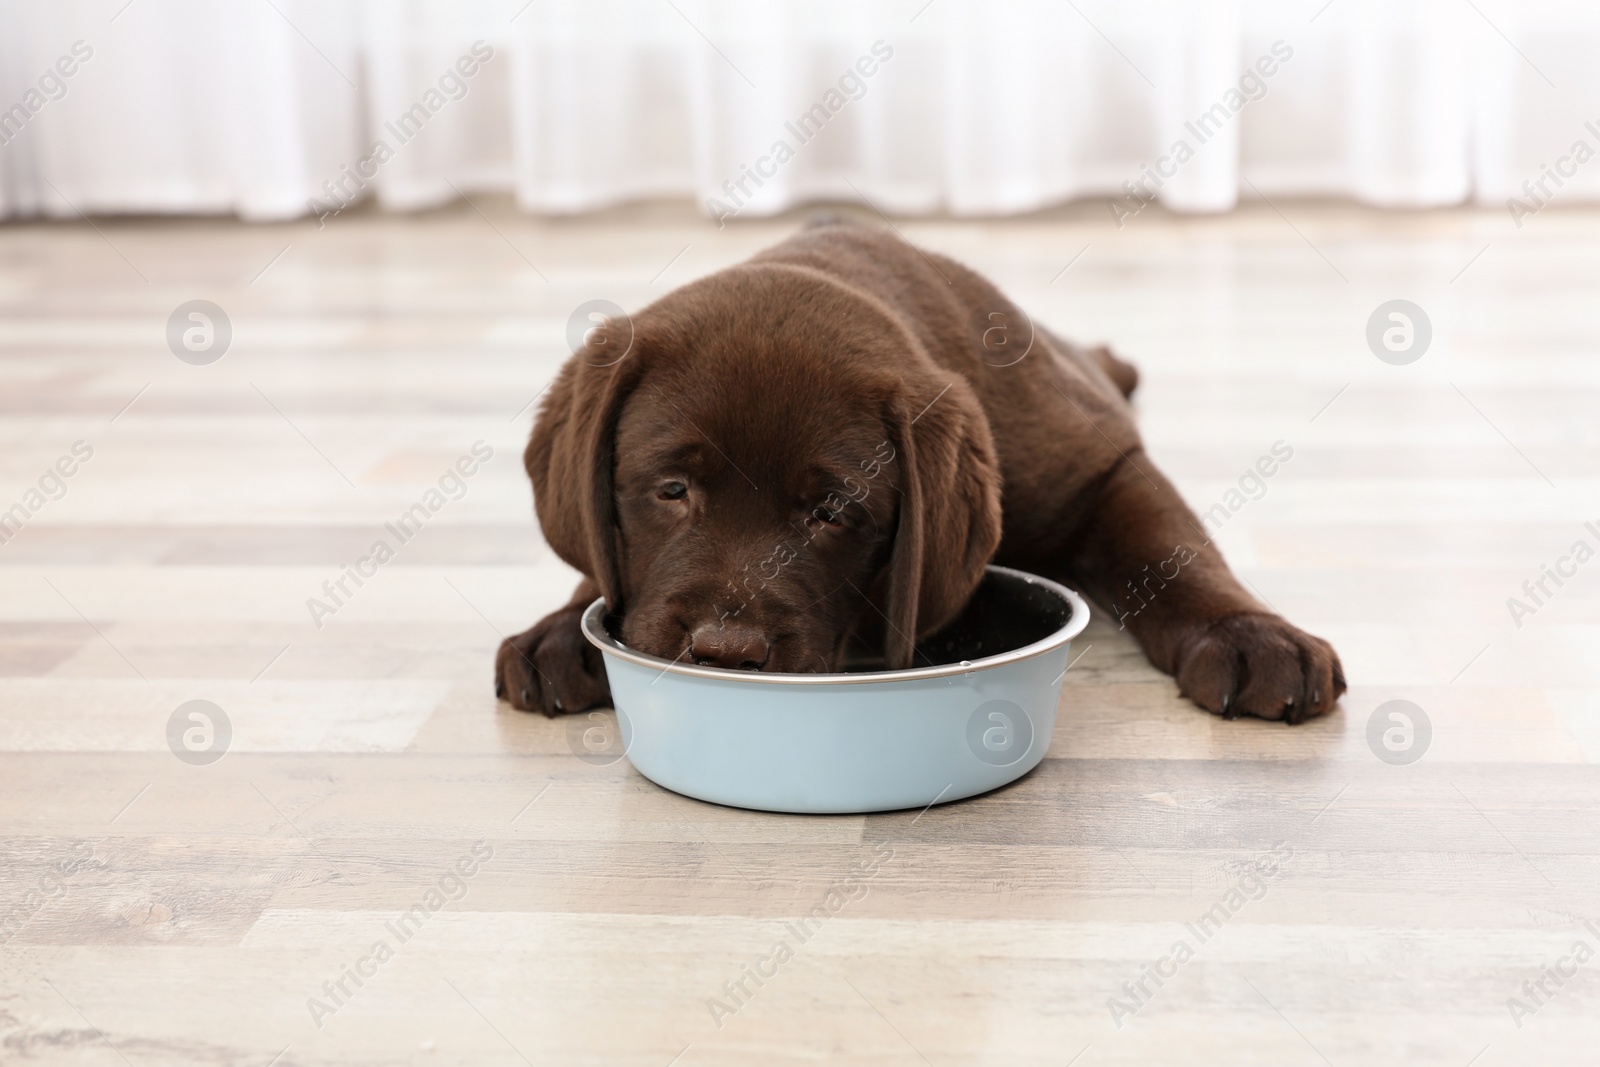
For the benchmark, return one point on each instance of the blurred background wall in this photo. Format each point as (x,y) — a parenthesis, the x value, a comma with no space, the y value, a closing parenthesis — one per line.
(278,108)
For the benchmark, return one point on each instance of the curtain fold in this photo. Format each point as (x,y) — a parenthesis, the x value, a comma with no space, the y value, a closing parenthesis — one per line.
(273,109)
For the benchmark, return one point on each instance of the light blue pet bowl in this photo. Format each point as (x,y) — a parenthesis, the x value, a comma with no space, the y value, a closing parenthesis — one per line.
(860,741)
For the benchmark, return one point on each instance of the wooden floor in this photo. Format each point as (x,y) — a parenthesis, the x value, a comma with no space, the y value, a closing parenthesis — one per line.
(158,910)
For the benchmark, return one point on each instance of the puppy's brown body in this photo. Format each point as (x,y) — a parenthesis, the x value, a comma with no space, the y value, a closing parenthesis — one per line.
(827,443)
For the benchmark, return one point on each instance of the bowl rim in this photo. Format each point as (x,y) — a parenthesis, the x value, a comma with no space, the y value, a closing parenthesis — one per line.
(594,630)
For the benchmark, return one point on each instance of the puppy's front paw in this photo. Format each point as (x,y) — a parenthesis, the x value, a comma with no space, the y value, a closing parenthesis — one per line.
(551,668)
(1260,664)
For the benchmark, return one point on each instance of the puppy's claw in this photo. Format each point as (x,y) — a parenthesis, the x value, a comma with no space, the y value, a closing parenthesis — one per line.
(1227,699)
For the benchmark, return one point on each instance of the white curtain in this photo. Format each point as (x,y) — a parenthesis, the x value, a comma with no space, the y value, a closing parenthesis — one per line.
(276,108)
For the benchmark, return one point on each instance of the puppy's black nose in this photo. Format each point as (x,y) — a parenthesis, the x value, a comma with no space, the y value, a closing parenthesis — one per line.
(730,645)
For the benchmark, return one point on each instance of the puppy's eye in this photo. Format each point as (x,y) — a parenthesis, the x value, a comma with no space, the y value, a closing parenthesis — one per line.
(673,491)
(825,515)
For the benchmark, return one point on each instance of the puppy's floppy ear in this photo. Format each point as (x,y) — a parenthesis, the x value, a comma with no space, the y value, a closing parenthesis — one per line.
(949,522)
(570,459)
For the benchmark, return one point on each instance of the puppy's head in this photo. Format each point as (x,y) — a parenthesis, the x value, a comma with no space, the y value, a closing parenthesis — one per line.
(775,467)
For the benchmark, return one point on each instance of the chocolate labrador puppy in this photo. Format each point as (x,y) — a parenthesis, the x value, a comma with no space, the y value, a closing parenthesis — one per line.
(817,451)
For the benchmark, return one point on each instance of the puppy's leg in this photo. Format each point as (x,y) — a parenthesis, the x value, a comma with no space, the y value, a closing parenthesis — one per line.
(1145,555)
(552,668)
